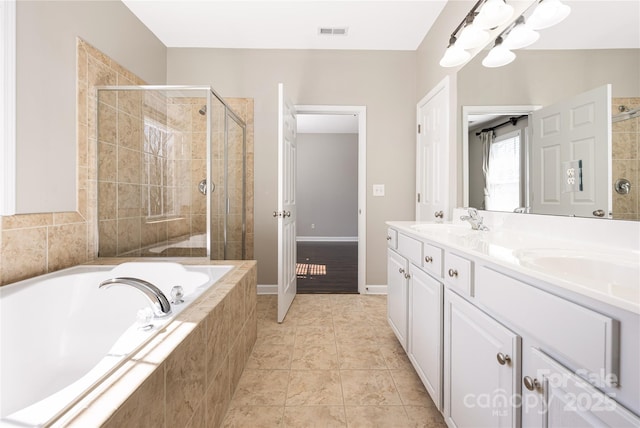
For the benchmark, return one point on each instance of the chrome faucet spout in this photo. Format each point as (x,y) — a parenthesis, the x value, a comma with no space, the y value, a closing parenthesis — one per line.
(474,219)
(159,302)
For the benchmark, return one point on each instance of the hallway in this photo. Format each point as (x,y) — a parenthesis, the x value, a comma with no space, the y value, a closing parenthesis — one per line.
(333,362)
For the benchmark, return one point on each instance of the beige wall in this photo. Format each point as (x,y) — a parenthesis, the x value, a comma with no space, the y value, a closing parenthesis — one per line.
(541,77)
(53,132)
(382,81)
(46,87)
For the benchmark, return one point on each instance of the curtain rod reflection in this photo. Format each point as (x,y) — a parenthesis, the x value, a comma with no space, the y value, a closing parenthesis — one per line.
(512,120)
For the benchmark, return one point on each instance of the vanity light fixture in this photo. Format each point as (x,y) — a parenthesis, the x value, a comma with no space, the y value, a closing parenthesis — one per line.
(454,55)
(493,13)
(548,13)
(498,56)
(472,36)
(468,35)
(521,35)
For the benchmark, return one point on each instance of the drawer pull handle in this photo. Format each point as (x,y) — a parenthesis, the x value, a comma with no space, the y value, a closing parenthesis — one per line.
(530,384)
(407,276)
(453,273)
(388,238)
(503,359)
(428,259)
(401,270)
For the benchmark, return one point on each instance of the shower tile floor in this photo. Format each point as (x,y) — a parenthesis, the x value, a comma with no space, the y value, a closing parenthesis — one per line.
(333,362)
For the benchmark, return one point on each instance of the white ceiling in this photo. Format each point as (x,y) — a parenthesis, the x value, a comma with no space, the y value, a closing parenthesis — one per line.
(262,24)
(372,25)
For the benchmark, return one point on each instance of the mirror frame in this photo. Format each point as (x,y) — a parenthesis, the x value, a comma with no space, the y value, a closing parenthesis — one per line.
(471,110)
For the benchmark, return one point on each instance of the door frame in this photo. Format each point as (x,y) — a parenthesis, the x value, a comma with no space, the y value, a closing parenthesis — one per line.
(361,111)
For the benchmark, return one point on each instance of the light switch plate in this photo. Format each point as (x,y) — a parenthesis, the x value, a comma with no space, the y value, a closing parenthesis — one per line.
(572,176)
(378,190)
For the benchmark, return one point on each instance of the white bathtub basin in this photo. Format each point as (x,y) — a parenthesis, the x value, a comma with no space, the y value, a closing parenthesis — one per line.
(613,274)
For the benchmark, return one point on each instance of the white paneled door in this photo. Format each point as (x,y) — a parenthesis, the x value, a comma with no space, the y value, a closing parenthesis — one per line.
(432,169)
(577,129)
(286,213)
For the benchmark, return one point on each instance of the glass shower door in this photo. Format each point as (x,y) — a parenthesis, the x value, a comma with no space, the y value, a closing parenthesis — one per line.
(236,188)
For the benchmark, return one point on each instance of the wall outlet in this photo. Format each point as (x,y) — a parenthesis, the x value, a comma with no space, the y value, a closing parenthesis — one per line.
(378,190)
(313,225)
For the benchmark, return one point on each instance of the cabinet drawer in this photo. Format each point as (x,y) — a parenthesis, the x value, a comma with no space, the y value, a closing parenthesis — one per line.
(458,273)
(410,248)
(587,339)
(432,260)
(392,238)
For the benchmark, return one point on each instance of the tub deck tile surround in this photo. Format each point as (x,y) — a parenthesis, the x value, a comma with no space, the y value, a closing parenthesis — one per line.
(186,375)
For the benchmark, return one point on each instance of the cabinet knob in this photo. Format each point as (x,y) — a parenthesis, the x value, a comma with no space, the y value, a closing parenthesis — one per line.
(503,359)
(530,383)
(388,238)
(428,259)
(407,276)
(438,214)
(401,270)
(453,273)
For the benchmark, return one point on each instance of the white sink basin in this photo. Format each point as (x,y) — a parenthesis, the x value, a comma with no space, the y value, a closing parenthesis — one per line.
(444,228)
(615,275)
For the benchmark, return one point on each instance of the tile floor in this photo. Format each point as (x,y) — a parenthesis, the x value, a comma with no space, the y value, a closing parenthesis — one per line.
(333,362)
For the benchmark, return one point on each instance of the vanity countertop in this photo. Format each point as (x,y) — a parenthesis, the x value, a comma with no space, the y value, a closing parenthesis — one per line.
(608,274)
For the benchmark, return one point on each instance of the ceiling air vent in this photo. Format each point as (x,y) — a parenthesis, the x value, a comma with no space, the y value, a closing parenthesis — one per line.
(332,31)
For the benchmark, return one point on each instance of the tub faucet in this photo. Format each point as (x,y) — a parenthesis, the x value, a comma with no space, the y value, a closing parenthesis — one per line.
(474,220)
(159,302)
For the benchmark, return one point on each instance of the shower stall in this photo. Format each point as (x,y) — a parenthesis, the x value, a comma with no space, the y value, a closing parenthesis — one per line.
(172,173)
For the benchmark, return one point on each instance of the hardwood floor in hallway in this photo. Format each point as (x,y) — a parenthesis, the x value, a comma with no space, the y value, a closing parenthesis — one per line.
(333,362)
(327,267)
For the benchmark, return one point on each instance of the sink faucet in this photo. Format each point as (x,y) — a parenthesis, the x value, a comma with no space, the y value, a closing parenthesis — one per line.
(474,220)
(159,302)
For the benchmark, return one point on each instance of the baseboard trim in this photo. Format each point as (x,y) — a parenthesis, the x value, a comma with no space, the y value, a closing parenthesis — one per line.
(265,289)
(375,289)
(326,238)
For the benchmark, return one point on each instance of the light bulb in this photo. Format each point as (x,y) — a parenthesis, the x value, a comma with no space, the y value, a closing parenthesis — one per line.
(548,13)
(498,56)
(472,36)
(454,56)
(493,13)
(521,35)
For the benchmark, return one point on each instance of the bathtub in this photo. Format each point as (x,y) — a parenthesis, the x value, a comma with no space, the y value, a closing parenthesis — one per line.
(61,335)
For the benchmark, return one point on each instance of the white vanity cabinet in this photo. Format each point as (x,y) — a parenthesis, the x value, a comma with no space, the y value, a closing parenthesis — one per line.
(498,345)
(414,305)
(397,287)
(425,330)
(555,397)
(481,367)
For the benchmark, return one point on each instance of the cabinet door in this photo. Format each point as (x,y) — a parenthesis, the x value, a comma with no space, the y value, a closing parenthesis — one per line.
(482,368)
(425,331)
(397,268)
(555,397)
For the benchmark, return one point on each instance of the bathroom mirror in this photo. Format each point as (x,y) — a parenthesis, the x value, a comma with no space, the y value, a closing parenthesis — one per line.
(566,61)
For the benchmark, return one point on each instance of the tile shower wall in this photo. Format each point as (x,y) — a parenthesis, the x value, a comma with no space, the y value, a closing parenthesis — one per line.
(34,244)
(626,160)
(151,156)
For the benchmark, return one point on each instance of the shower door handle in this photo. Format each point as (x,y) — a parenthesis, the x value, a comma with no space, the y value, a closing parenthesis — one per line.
(202,187)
